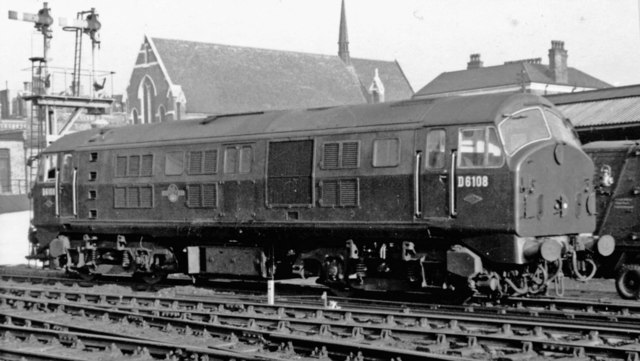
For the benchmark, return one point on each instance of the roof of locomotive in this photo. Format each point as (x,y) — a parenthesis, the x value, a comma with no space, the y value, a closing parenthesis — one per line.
(437,112)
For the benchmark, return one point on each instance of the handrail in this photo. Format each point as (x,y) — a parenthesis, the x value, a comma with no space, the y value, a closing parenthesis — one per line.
(74,192)
(57,193)
(452,185)
(417,207)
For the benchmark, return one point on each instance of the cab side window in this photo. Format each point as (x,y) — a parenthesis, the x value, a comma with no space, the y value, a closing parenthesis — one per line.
(49,167)
(479,148)
(436,141)
(67,168)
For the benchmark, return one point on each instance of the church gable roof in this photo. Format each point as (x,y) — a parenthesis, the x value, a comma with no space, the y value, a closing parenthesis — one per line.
(395,83)
(229,79)
(503,75)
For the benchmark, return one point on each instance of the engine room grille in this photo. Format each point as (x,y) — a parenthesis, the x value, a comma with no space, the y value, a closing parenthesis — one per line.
(195,162)
(349,192)
(290,167)
(134,165)
(121,166)
(133,197)
(203,162)
(147,165)
(202,195)
(340,193)
(349,155)
(210,163)
(331,155)
(336,155)
(209,195)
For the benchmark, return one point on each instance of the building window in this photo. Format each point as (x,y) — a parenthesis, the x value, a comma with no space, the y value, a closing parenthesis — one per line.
(436,143)
(386,152)
(162,112)
(337,155)
(134,116)
(146,95)
(238,159)
(5,171)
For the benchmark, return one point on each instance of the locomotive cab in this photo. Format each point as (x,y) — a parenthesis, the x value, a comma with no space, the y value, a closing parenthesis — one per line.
(518,191)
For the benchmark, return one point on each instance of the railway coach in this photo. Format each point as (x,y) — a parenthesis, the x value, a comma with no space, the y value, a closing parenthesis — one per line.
(491,193)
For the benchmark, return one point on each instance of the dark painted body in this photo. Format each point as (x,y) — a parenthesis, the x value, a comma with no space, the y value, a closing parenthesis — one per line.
(305,182)
(617,181)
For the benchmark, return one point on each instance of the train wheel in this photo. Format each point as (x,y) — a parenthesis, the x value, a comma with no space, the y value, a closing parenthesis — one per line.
(87,276)
(153,278)
(628,281)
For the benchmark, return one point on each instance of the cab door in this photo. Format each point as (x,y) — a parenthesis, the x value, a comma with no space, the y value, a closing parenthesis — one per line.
(432,167)
(482,185)
(67,185)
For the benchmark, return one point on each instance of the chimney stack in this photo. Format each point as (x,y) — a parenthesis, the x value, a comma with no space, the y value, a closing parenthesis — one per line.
(474,62)
(558,62)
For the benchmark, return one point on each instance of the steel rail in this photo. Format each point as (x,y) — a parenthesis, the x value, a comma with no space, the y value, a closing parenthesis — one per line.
(247,289)
(127,346)
(615,315)
(428,335)
(13,353)
(276,332)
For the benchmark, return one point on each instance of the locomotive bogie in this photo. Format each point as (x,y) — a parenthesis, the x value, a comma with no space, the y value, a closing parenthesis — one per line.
(444,193)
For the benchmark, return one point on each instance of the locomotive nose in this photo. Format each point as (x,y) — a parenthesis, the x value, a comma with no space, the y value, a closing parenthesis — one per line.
(554,191)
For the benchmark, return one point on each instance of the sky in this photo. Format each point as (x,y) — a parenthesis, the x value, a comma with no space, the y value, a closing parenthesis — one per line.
(426,37)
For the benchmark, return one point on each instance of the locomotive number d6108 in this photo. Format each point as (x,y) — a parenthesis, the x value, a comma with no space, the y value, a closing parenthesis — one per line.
(473,181)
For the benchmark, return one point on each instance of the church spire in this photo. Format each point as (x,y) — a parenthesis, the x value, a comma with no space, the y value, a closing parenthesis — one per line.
(343,38)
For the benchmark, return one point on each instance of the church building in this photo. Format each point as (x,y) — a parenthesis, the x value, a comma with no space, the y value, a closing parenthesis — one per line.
(180,79)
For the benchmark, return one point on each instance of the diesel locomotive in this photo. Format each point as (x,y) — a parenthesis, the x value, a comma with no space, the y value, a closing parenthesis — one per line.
(617,186)
(488,193)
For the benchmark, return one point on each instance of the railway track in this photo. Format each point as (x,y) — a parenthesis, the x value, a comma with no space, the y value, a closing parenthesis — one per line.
(21,340)
(374,334)
(246,287)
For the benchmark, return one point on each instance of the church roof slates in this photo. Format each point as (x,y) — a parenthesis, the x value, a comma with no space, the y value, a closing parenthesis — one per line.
(395,83)
(222,78)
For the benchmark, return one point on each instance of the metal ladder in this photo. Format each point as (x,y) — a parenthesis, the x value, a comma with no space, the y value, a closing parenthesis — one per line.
(77,61)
